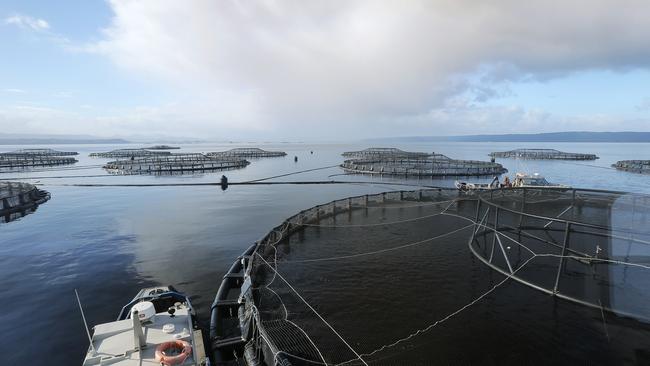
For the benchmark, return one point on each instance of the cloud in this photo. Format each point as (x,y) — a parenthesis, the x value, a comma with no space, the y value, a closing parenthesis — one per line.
(14,91)
(353,68)
(27,22)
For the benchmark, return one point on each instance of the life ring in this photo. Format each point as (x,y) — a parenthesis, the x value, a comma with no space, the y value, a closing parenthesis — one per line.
(169,360)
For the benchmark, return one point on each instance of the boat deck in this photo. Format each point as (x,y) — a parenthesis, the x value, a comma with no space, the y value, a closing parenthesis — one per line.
(114,341)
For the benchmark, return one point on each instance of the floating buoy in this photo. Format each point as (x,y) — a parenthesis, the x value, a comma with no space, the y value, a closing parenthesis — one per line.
(295,158)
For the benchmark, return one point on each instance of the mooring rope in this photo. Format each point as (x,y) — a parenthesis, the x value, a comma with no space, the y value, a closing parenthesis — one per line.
(381,250)
(444,319)
(292,173)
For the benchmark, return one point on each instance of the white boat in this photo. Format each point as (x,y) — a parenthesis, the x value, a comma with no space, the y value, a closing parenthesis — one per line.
(158,327)
(521,181)
(467,186)
(534,181)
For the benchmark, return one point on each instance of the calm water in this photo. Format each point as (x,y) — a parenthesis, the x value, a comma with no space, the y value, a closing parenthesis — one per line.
(108,242)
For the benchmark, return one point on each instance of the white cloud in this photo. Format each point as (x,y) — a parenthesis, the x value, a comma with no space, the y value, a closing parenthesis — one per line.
(351,64)
(14,91)
(27,22)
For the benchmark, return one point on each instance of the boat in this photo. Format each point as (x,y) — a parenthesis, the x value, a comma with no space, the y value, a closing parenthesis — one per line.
(157,327)
(467,186)
(521,180)
(534,181)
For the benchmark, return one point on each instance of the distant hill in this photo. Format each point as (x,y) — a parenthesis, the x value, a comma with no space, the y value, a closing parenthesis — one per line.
(33,139)
(575,136)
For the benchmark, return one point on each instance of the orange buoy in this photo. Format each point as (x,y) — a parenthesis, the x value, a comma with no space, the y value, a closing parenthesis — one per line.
(185,349)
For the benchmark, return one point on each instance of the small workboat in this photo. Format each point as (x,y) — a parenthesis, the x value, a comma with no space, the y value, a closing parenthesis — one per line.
(534,181)
(521,181)
(467,186)
(158,327)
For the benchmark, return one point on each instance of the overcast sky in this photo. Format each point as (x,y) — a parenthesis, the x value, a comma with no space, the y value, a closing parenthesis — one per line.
(314,70)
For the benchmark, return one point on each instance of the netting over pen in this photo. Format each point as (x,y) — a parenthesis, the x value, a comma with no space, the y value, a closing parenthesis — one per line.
(636,166)
(247,153)
(19,199)
(173,164)
(384,152)
(41,152)
(435,165)
(549,154)
(127,153)
(438,277)
(12,161)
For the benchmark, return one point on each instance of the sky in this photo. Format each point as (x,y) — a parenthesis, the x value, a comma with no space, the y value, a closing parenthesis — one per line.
(322,70)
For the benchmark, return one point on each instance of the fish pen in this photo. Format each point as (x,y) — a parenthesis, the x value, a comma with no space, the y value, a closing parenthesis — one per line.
(127,153)
(247,153)
(173,164)
(41,152)
(18,199)
(435,166)
(542,154)
(442,277)
(635,166)
(163,147)
(12,161)
(383,152)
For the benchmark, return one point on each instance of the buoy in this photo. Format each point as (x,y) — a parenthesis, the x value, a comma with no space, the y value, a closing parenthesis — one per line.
(169,360)
(295,158)
(224,182)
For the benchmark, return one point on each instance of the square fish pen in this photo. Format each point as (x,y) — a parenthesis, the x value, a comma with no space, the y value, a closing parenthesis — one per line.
(246,153)
(545,154)
(173,163)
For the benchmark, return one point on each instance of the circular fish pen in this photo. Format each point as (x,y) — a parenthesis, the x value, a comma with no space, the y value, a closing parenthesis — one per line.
(173,164)
(246,153)
(542,154)
(435,166)
(382,152)
(127,153)
(15,161)
(635,166)
(42,152)
(516,276)
(163,147)
(19,199)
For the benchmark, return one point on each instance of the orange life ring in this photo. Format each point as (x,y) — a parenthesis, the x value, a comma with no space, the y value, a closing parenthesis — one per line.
(169,360)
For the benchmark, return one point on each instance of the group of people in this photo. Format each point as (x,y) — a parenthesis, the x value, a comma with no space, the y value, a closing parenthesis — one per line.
(506,183)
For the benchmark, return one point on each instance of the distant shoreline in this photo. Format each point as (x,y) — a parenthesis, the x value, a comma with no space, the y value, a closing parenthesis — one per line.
(579,136)
(54,141)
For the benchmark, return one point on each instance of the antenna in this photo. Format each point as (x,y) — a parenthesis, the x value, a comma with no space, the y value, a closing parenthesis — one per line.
(90,339)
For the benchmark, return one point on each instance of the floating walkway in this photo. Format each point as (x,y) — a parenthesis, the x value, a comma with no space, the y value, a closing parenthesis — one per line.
(382,152)
(173,163)
(127,153)
(436,166)
(18,199)
(246,153)
(546,154)
(635,166)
